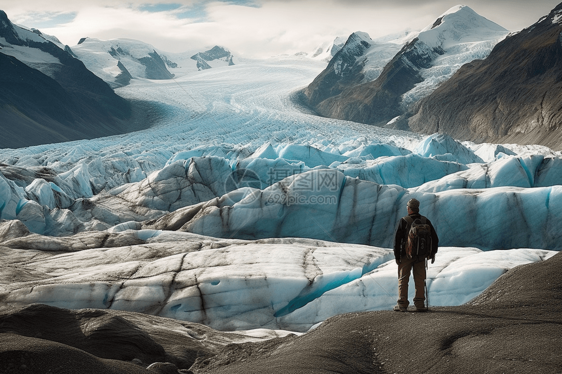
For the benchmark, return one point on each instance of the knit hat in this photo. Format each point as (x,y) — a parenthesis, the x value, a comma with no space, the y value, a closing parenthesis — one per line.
(414,204)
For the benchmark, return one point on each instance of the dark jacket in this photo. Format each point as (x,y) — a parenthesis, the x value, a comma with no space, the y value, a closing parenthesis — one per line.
(402,235)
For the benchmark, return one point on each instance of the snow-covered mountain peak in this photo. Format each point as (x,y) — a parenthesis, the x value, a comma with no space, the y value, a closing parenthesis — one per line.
(30,46)
(53,39)
(356,44)
(360,35)
(214,53)
(359,61)
(117,61)
(328,49)
(218,56)
(130,47)
(554,17)
(460,24)
(18,35)
(456,10)
(6,25)
(420,62)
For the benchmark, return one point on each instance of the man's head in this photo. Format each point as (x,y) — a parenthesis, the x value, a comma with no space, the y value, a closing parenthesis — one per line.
(413,206)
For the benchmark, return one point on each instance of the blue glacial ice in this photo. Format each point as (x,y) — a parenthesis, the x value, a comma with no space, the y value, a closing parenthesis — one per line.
(240,209)
(230,284)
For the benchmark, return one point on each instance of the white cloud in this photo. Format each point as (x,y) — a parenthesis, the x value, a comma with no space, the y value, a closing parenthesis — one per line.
(274,27)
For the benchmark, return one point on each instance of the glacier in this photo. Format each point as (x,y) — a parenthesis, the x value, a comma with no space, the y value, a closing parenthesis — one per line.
(241,209)
(228,284)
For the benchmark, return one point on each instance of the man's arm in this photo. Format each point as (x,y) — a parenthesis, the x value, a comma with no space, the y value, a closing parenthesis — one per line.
(434,242)
(398,241)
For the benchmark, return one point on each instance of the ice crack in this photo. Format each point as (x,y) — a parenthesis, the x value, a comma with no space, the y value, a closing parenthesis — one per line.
(328,282)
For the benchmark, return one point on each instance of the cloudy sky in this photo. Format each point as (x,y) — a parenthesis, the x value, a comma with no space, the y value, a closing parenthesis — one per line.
(250,28)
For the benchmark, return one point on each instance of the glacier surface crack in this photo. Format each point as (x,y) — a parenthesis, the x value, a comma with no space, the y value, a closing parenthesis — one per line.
(313,291)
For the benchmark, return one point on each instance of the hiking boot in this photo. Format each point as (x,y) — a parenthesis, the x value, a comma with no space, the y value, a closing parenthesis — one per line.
(421,309)
(399,308)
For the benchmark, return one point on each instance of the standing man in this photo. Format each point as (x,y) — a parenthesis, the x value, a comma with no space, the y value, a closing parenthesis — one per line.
(415,242)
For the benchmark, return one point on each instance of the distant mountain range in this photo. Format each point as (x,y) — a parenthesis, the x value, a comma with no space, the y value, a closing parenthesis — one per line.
(514,95)
(118,61)
(462,76)
(52,93)
(47,95)
(405,69)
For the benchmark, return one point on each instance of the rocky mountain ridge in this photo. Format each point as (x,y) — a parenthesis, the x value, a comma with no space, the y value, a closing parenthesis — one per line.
(120,60)
(215,54)
(424,60)
(513,95)
(360,59)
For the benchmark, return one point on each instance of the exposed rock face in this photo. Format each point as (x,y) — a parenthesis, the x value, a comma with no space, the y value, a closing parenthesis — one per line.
(124,77)
(120,60)
(47,95)
(379,101)
(349,67)
(213,54)
(169,63)
(458,36)
(155,67)
(513,95)
(201,63)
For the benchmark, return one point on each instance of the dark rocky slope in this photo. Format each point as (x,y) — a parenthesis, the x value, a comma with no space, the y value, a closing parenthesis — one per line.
(40,338)
(514,95)
(514,326)
(36,109)
(215,53)
(379,101)
(343,70)
(54,102)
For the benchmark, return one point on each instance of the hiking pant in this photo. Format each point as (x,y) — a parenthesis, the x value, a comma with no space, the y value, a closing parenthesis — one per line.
(404,269)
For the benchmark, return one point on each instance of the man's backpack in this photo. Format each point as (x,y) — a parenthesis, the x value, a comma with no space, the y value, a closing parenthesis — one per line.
(418,242)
